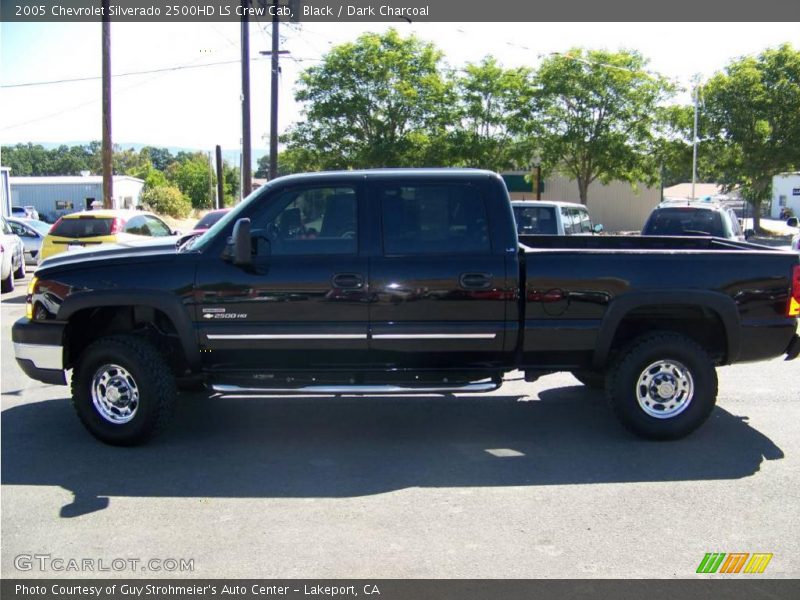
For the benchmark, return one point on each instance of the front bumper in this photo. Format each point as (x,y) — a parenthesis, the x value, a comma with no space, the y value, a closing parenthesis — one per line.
(39,350)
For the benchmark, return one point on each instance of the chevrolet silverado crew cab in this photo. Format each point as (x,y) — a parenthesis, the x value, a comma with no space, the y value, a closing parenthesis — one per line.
(401,282)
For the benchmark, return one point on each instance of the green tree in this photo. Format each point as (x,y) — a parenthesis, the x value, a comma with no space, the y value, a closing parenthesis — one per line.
(262,166)
(192,173)
(161,158)
(490,117)
(130,162)
(379,101)
(594,114)
(167,200)
(751,117)
(231,177)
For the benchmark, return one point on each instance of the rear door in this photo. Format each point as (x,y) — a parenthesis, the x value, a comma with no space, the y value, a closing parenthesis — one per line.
(304,304)
(438,287)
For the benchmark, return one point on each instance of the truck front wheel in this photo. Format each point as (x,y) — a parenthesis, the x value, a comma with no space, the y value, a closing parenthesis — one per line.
(123,390)
(663,387)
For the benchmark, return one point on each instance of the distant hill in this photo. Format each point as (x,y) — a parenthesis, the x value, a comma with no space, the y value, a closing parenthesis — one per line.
(229,155)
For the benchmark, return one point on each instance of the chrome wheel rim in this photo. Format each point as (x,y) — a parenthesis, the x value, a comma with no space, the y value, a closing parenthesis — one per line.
(665,389)
(115,394)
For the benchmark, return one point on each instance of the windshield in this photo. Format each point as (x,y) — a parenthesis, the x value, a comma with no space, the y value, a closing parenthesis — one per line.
(40,226)
(201,242)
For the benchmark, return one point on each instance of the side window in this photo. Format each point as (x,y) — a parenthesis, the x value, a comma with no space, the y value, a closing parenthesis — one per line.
(566,221)
(584,221)
(157,228)
(310,221)
(18,229)
(737,229)
(433,219)
(535,220)
(137,226)
(569,216)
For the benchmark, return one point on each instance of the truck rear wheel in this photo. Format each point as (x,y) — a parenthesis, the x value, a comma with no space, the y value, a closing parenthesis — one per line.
(664,386)
(123,390)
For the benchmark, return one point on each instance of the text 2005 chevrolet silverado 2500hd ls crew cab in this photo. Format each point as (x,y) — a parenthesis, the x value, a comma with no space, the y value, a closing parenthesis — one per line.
(401,281)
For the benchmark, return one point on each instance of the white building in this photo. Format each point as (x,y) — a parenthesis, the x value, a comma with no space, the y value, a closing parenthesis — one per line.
(60,195)
(785,194)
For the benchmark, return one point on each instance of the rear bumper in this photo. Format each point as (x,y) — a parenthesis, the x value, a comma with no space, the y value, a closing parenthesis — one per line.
(793,350)
(39,351)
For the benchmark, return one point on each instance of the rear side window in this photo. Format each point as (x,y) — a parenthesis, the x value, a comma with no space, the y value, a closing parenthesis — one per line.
(684,221)
(535,220)
(83,227)
(433,219)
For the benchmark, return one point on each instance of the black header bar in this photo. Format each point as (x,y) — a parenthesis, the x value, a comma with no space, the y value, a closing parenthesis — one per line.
(403,10)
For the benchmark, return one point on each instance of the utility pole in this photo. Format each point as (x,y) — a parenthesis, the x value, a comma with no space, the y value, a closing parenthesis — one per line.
(247,178)
(694,135)
(273,109)
(108,149)
(220,186)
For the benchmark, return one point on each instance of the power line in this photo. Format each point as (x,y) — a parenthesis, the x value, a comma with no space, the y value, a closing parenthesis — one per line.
(131,73)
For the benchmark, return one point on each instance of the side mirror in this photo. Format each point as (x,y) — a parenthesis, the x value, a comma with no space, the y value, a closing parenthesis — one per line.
(242,249)
(175,232)
(748,233)
(793,222)
(598,228)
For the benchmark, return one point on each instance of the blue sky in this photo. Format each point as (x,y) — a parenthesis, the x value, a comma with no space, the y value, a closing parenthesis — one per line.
(200,107)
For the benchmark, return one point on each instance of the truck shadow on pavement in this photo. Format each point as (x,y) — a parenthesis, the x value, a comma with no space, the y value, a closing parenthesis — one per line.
(344,447)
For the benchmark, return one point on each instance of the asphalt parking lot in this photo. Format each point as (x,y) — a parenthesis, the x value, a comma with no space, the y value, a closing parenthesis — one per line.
(534,480)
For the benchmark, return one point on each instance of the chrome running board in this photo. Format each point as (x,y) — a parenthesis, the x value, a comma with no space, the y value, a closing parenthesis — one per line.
(479,387)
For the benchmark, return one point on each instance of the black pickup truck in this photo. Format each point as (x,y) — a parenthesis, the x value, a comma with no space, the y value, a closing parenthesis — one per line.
(401,281)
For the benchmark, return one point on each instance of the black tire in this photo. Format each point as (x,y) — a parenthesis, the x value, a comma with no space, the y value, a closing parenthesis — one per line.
(682,367)
(7,285)
(591,379)
(20,272)
(152,379)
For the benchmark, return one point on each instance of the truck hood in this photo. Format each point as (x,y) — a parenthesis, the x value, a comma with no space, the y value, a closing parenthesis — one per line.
(142,250)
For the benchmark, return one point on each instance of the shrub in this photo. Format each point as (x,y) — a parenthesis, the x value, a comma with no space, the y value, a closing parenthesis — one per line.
(167,200)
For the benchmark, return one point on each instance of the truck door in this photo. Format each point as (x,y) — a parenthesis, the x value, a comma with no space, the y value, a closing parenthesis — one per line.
(439,290)
(303,304)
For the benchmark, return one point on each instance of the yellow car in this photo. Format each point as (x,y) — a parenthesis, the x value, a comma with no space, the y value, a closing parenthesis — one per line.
(92,227)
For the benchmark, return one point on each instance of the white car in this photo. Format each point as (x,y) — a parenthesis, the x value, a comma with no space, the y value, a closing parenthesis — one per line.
(32,234)
(13,257)
(544,217)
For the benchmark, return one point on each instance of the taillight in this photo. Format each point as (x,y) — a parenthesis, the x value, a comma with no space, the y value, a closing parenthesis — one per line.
(29,297)
(793,309)
(56,224)
(116,225)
